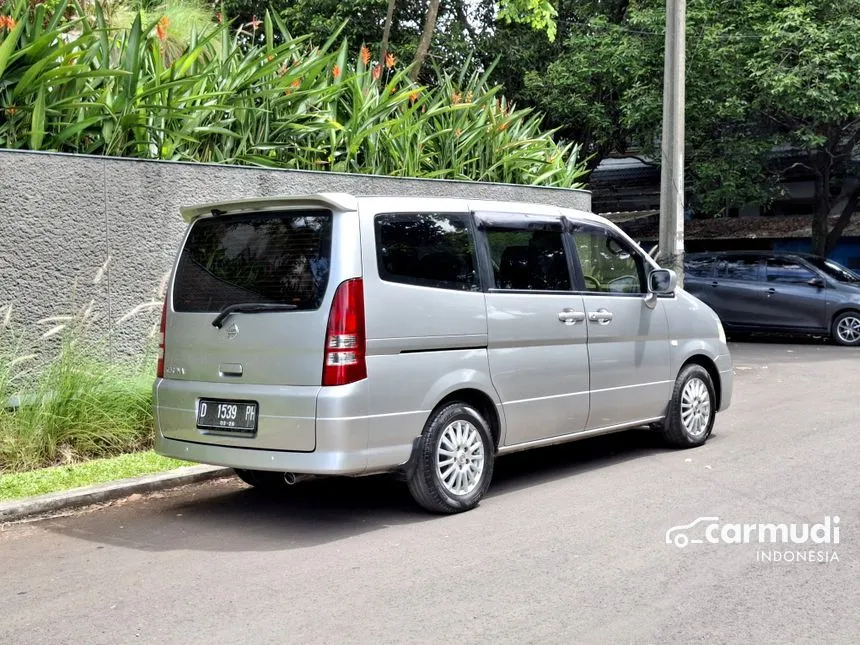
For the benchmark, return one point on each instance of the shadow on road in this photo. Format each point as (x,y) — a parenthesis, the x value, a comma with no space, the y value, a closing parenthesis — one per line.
(228,516)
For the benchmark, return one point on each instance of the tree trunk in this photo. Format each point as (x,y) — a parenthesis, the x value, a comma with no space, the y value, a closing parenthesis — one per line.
(820,218)
(426,38)
(386,33)
(845,206)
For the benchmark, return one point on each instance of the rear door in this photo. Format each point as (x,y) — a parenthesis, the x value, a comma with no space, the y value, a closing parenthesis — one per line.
(535,325)
(277,258)
(790,301)
(736,290)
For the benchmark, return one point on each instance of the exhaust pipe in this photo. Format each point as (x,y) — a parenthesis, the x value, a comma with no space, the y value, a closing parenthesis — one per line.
(292,479)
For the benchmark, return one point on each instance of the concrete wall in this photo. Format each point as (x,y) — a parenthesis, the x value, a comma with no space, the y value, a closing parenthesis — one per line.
(77,229)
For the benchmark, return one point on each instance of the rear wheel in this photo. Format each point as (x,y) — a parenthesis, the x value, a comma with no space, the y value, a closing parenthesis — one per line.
(692,410)
(846,329)
(453,461)
(263,480)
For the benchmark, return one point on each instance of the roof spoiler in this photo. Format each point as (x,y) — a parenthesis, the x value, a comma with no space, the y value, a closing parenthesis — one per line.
(335,201)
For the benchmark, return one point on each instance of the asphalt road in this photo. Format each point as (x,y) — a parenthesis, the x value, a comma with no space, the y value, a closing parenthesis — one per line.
(569,547)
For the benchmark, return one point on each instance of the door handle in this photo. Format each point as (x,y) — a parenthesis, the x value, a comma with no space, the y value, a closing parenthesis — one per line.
(601,316)
(715,284)
(570,317)
(770,292)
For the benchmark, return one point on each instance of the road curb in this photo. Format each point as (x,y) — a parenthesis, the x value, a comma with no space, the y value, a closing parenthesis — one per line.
(19,509)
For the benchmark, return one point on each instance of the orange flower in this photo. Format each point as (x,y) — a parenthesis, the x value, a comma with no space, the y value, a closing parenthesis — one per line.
(11,110)
(503,127)
(255,24)
(376,73)
(390,61)
(296,84)
(335,71)
(365,55)
(455,98)
(413,96)
(393,89)
(8,22)
(220,17)
(161,28)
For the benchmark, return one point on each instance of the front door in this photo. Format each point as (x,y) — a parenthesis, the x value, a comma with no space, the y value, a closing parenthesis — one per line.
(536,327)
(789,300)
(628,342)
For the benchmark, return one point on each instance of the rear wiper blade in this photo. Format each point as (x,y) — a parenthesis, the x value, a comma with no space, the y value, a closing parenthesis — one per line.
(248,308)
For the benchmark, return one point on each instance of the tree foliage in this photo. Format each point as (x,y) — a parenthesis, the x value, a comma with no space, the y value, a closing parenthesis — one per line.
(766,80)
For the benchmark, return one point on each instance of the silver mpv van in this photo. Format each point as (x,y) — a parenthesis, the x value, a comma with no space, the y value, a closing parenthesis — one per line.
(342,335)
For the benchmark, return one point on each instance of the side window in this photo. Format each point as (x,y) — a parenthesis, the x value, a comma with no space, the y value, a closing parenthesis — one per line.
(739,268)
(787,271)
(608,265)
(528,260)
(699,267)
(427,250)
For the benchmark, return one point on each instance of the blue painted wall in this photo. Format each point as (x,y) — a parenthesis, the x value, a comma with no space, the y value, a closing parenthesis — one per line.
(846,253)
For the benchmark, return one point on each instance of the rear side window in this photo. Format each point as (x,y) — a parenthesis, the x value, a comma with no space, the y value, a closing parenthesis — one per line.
(528,260)
(427,250)
(739,268)
(267,258)
(699,267)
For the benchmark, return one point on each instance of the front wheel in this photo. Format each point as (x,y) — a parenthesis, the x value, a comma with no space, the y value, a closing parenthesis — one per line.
(846,329)
(453,461)
(692,410)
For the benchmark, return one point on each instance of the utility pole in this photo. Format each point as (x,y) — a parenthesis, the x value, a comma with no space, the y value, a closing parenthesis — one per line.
(671,248)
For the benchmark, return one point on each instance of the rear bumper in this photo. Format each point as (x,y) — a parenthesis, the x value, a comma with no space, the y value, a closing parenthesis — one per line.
(340,429)
(727,378)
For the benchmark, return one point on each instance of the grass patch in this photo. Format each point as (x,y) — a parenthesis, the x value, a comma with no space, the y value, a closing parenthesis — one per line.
(58,478)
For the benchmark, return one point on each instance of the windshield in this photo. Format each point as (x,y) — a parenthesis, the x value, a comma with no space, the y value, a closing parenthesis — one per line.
(834,269)
(280,259)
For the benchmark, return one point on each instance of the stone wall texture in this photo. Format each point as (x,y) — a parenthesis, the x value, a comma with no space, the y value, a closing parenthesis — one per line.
(79,232)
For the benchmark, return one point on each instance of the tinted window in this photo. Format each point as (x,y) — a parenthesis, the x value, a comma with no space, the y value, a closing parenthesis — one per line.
(528,260)
(738,268)
(608,264)
(787,271)
(271,258)
(699,267)
(427,250)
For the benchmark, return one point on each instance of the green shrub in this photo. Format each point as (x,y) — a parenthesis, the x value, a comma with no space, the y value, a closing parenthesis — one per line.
(63,401)
(74,81)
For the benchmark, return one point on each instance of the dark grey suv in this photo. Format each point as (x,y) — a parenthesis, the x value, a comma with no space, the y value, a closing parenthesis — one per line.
(777,292)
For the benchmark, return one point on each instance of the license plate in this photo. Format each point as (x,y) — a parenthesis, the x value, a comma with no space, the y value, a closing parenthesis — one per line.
(230,416)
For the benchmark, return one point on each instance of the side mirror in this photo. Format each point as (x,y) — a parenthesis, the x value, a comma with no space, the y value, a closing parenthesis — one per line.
(662,281)
(817,283)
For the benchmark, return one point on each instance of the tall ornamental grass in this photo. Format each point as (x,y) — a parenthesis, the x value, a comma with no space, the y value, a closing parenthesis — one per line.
(62,401)
(75,80)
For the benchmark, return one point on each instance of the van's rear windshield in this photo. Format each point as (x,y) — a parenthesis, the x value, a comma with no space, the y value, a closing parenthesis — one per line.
(280,258)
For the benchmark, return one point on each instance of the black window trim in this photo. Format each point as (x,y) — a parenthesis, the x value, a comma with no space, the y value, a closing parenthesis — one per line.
(470,226)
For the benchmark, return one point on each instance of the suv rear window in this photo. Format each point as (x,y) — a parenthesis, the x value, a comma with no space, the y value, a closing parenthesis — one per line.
(280,258)
(427,250)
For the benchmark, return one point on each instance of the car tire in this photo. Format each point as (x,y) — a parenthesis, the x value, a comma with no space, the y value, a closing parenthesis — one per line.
(263,480)
(452,463)
(692,410)
(846,329)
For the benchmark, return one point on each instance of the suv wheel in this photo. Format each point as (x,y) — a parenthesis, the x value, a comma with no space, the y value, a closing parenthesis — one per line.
(846,329)
(692,410)
(453,461)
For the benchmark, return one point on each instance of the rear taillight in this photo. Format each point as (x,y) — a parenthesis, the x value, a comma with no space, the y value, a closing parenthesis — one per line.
(160,370)
(345,346)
